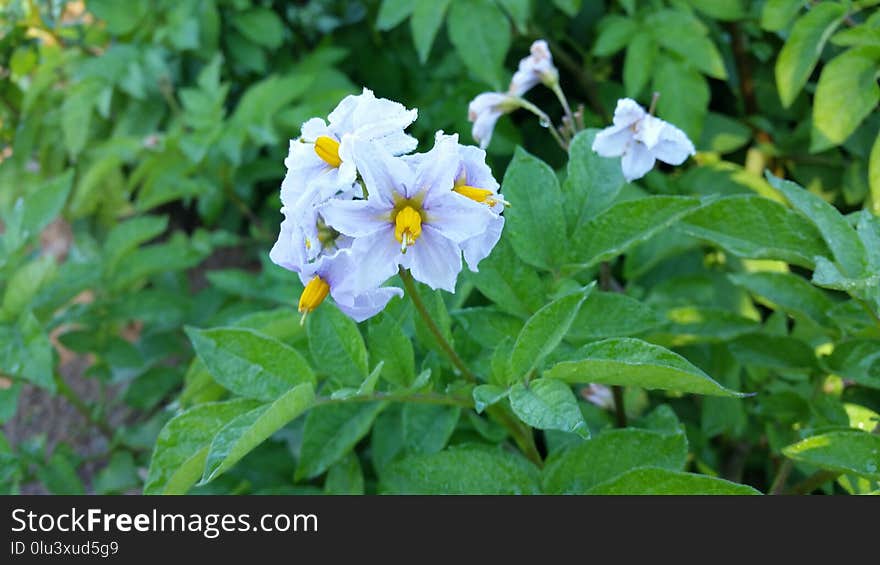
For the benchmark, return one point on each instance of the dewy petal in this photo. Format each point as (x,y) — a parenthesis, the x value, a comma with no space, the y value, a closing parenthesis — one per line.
(476,172)
(457,217)
(649,130)
(434,260)
(363,306)
(313,129)
(537,67)
(636,162)
(375,118)
(612,141)
(377,257)
(479,247)
(435,174)
(289,251)
(384,174)
(342,117)
(628,112)
(674,146)
(355,218)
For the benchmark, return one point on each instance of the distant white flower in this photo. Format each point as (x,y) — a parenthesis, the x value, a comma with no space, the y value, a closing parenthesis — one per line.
(537,67)
(484,111)
(333,275)
(412,218)
(600,395)
(640,139)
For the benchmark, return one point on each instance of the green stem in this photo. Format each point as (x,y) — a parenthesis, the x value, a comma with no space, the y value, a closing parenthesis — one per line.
(544,120)
(782,474)
(608,284)
(422,398)
(521,433)
(813,482)
(81,407)
(560,95)
(410,285)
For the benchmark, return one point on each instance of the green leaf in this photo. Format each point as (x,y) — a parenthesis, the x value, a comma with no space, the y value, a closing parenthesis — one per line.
(739,225)
(119,476)
(260,25)
(425,22)
(46,203)
(638,65)
(480,33)
(427,428)
(842,451)
(182,446)
(548,404)
(570,7)
(633,362)
(842,240)
(250,364)
(27,353)
(684,96)
(392,12)
(544,331)
(803,47)
(76,115)
(611,314)
(593,182)
(508,282)
(487,395)
(24,284)
(614,452)
(331,431)
(847,93)
(245,432)
(721,9)
(787,291)
(337,346)
(686,36)
(777,14)
(874,176)
(389,345)
(615,33)
(773,351)
(128,235)
(857,360)
(121,17)
(472,469)
(59,475)
(534,220)
(519,11)
(623,225)
(345,477)
(653,480)
(487,326)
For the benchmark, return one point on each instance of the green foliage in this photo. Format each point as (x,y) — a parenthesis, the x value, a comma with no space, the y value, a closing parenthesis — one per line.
(732,302)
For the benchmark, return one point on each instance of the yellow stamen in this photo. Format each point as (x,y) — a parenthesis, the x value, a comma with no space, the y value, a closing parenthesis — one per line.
(407,227)
(474,193)
(312,295)
(327,149)
(481,195)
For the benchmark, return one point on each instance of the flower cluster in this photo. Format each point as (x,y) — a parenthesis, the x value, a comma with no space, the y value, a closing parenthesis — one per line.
(358,207)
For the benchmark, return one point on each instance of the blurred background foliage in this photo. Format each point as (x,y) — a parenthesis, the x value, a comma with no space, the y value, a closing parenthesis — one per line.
(141,151)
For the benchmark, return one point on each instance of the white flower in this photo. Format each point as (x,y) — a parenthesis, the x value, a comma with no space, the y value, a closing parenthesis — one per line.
(484,111)
(600,395)
(537,67)
(333,275)
(641,139)
(412,217)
